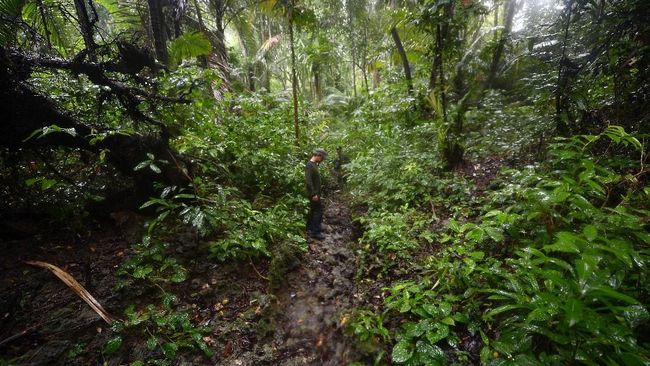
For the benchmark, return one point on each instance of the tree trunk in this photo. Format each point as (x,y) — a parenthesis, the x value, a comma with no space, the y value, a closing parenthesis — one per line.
(364,72)
(86,27)
(41,11)
(498,51)
(266,71)
(442,32)
(496,21)
(354,77)
(405,61)
(562,79)
(433,75)
(441,72)
(402,52)
(156,21)
(294,84)
(220,54)
(203,60)
(251,76)
(376,79)
(315,70)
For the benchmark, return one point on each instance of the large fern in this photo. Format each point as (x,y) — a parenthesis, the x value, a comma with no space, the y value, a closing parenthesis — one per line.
(191,44)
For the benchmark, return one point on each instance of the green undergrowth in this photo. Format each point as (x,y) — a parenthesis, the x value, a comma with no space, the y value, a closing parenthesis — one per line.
(547,266)
(245,203)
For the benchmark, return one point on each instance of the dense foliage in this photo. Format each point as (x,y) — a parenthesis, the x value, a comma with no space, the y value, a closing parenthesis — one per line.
(494,154)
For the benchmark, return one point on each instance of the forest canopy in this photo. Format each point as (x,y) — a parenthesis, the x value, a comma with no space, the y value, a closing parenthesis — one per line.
(486,187)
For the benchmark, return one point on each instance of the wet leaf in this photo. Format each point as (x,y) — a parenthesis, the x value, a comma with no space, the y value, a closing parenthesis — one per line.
(152,342)
(590,232)
(573,310)
(428,354)
(402,351)
(113,345)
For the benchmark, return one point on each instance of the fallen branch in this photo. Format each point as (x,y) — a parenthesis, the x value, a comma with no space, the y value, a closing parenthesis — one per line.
(76,287)
(256,271)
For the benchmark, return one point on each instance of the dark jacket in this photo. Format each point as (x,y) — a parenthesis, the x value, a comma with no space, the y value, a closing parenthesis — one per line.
(312,178)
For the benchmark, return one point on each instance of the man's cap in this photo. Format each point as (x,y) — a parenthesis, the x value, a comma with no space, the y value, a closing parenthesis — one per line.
(320,152)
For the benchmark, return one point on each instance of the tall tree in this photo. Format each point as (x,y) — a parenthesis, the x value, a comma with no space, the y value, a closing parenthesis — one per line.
(86,26)
(294,78)
(400,50)
(505,35)
(562,74)
(157,28)
(220,55)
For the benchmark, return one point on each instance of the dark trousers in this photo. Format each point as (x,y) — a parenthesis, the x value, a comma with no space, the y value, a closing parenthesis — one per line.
(315,217)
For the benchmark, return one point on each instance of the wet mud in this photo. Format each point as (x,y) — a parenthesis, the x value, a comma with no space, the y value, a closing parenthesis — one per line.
(314,306)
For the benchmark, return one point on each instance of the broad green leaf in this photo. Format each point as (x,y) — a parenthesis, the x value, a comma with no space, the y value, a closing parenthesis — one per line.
(155,168)
(431,309)
(607,292)
(152,342)
(590,232)
(503,309)
(142,165)
(573,310)
(402,351)
(142,271)
(169,349)
(445,308)
(565,242)
(113,345)
(441,332)
(448,320)
(430,355)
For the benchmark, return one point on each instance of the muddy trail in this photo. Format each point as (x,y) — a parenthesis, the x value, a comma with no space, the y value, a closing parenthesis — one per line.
(313,306)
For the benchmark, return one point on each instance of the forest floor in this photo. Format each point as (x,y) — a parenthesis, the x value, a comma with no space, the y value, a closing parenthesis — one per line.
(314,306)
(299,322)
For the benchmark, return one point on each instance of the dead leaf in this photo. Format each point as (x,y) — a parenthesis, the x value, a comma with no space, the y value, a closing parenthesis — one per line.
(227,349)
(76,287)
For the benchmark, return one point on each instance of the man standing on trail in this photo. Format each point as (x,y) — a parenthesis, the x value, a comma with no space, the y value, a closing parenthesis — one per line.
(312,178)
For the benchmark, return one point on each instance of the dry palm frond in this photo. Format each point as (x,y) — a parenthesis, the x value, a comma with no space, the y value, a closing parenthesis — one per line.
(76,287)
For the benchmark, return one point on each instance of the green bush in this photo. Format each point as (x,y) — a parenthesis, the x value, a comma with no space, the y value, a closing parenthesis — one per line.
(553,270)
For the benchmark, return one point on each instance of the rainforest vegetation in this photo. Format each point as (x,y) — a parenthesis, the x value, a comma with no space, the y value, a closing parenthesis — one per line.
(486,185)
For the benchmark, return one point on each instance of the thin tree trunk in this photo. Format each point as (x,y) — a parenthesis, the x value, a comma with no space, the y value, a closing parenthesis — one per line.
(441,36)
(41,11)
(315,70)
(441,73)
(364,72)
(405,61)
(496,21)
(354,77)
(496,57)
(157,31)
(251,76)
(294,86)
(402,53)
(266,35)
(376,79)
(86,27)
(202,59)
(433,75)
(561,125)
(219,56)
